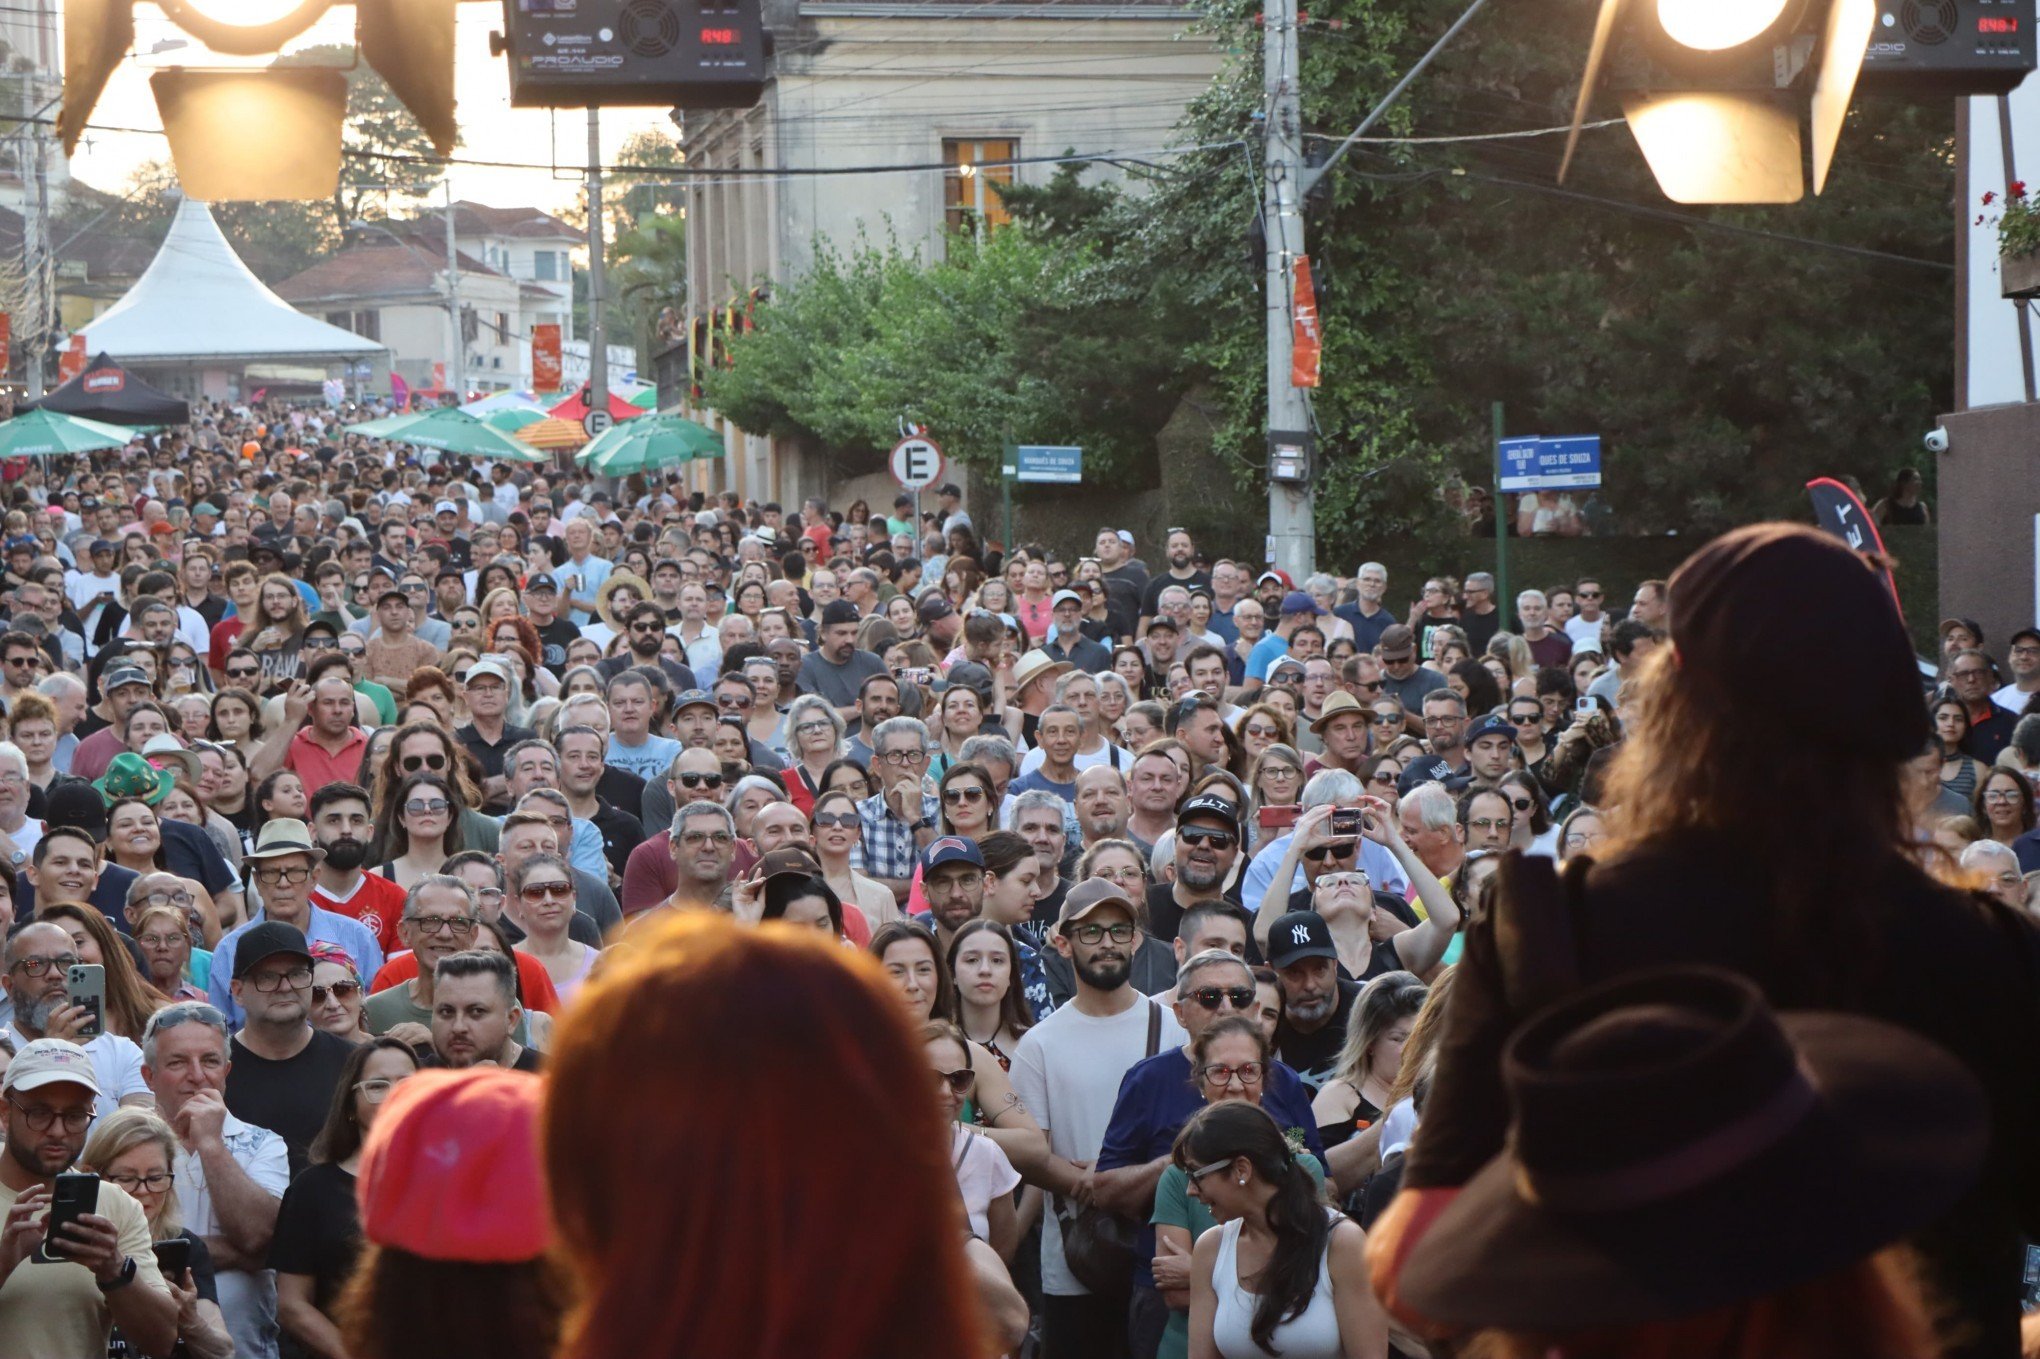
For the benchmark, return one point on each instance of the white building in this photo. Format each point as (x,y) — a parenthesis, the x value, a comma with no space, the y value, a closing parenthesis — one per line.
(950,85)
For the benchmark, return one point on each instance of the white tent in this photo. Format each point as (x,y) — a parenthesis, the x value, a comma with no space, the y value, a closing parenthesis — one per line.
(197,304)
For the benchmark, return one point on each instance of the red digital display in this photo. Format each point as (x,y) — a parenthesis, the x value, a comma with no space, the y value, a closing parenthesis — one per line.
(1997,24)
(719,37)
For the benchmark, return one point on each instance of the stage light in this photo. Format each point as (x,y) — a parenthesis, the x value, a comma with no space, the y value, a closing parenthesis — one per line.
(244,28)
(1717,25)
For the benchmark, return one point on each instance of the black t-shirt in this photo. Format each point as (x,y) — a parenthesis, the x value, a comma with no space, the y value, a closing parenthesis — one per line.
(1481,628)
(1049,907)
(1151,596)
(291,1097)
(491,756)
(1165,917)
(1314,1056)
(553,640)
(318,1232)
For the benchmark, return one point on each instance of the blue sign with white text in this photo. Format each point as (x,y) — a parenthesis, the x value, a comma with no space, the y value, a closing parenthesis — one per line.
(1568,462)
(1042,462)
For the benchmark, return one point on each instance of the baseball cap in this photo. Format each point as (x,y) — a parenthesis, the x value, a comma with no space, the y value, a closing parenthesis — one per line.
(105,545)
(1071,596)
(690,698)
(445,507)
(1430,769)
(1210,804)
(791,861)
(838,611)
(2023,633)
(23,542)
(50,1061)
(1296,601)
(79,805)
(484,668)
(1491,726)
(542,581)
(952,849)
(1397,642)
(392,593)
(1297,936)
(1165,623)
(269,939)
(1279,577)
(205,507)
(933,607)
(1089,895)
(450,1169)
(123,674)
(971,675)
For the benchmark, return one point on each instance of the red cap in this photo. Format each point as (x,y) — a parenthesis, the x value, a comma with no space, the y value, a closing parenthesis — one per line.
(450,1170)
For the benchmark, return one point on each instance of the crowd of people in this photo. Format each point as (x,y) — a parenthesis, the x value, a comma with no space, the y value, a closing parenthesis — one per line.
(447,899)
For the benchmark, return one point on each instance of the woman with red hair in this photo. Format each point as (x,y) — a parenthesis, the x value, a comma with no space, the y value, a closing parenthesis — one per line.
(699,1213)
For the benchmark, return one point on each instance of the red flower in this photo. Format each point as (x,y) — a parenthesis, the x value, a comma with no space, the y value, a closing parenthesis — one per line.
(1979,219)
(1989,197)
(2018,189)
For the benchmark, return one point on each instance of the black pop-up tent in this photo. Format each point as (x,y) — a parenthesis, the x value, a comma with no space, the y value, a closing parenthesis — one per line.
(109,393)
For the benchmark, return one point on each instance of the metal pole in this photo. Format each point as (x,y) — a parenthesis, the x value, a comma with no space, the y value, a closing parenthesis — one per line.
(41,266)
(1292,530)
(1501,504)
(458,371)
(598,345)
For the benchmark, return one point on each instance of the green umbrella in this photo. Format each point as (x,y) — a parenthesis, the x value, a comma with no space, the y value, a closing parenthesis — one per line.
(648,443)
(514,418)
(452,430)
(387,427)
(648,399)
(45,431)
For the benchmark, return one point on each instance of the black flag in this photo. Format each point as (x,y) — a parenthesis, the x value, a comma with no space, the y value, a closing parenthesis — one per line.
(1836,509)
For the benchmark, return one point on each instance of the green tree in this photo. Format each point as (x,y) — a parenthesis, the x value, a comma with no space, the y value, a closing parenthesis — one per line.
(650,275)
(275,240)
(388,165)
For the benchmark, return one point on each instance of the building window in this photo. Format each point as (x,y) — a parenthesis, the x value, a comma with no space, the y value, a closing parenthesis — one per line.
(502,327)
(970,190)
(543,265)
(368,325)
(342,319)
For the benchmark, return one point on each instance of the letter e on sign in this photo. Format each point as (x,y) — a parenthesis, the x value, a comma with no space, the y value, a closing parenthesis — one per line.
(916,463)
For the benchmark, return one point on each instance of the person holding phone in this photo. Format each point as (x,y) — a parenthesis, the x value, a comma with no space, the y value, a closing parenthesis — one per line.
(134,1149)
(74,1250)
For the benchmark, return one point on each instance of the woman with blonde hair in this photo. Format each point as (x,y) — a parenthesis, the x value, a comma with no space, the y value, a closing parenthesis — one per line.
(713,1273)
(135,1149)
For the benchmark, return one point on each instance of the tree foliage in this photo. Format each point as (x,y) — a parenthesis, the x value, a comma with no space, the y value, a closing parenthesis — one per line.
(388,164)
(1725,355)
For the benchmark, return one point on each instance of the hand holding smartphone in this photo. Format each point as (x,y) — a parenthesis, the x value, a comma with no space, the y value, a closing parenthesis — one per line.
(71,1197)
(85,987)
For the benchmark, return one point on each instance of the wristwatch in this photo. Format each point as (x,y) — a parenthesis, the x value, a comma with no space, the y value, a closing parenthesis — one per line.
(925,823)
(121,1280)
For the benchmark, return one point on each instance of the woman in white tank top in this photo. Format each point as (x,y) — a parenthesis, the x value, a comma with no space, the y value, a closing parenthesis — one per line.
(1282,1274)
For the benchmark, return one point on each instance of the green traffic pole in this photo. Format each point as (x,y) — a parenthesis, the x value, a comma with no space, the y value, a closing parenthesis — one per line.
(1502,596)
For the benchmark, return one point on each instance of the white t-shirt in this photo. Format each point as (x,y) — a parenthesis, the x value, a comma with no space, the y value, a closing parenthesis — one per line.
(1106,753)
(1067,1072)
(982,1174)
(2011,698)
(1583,633)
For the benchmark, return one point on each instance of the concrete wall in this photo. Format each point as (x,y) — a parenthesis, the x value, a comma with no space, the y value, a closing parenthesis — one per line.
(1989,482)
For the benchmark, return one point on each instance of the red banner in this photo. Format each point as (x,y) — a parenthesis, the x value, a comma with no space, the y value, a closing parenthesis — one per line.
(6,333)
(1303,326)
(400,391)
(545,358)
(72,361)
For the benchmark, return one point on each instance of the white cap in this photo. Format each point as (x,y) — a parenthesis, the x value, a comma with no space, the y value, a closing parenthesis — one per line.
(446,507)
(50,1061)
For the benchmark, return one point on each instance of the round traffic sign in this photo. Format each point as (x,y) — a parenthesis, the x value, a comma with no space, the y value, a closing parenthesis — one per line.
(595,421)
(916,463)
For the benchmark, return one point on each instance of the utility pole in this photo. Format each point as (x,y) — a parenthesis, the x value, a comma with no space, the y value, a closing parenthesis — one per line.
(1292,528)
(598,292)
(458,372)
(41,266)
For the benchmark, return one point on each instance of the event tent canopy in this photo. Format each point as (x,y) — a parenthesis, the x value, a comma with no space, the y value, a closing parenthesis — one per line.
(198,303)
(110,394)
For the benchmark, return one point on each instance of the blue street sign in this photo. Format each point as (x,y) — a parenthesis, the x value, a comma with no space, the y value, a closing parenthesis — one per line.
(1568,462)
(1040,462)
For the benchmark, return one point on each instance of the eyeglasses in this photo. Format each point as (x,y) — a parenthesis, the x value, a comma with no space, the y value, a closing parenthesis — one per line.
(958,1083)
(1588,594)
(740,702)
(699,780)
(155,1183)
(36,965)
(967,793)
(1521,805)
(1199,839)
(1211,997)
(1203,1173)
(1343,849)
(1368,686)
(651,625)
(318,644)
(1584,841)
(1263,733)
(162,940)
(1246,1073)
(40,1119)
(421,806)
(338,990)
(1280,772)
(443,924)
(178,899)
(810,728)
(900,758)
(274,876)
(1488,823)
(1360,880)
(1448,720)
(547,891)
(1121,933)
(413,763)
(377,1090)
(698,839)
(243,672)
(1529,718)
(282,981)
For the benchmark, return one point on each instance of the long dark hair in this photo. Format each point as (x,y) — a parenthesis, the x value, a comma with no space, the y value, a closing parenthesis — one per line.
(1014,1011)
(1234,1129)
(783,889)
(398,1305)
(389,821)
(341,1135)
(896,931)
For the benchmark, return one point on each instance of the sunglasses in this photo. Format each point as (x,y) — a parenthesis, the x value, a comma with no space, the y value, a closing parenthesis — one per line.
(1317,854)
(419,806)
(413,763)
(1211,997)
(1198,839)
(958,796)
(839,820)
(338,990)
(700,780)
(541,891)
(958,1083)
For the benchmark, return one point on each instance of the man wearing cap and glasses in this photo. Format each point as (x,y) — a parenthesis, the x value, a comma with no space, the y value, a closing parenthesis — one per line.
(281,1071)
(1207,844)
(281,867)
(1065,639)
(48,1308)
(1068,1071)
(1401,675)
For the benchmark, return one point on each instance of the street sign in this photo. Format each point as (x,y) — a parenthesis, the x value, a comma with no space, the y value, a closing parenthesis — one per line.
(916,462)
(1568,462)
(595,421)
(1048,463)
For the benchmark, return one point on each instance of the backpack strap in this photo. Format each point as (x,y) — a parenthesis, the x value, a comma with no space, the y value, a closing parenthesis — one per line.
(1154,1038)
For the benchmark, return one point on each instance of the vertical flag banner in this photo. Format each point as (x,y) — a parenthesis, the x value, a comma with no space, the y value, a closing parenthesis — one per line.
(1303,351)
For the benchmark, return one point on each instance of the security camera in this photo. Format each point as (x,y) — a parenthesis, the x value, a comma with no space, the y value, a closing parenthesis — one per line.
(1937,440)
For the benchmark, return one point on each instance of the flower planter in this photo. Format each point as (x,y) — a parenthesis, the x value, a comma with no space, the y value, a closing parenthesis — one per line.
(2019,275)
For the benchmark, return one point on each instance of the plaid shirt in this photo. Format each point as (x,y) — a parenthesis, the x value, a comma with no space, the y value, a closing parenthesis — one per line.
(887,849)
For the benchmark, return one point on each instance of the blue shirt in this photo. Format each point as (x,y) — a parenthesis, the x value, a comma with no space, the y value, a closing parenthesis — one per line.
(593,573)
(1377,863)
(324,927)
(1266,652)
(1157,1097)
(1037,781)
(1366,631)
(651,761)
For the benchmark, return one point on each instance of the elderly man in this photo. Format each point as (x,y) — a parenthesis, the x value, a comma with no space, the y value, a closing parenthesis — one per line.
(1996,869)
(899,819)
(1102,806)
(230,1175)
(38,956)
(282,865)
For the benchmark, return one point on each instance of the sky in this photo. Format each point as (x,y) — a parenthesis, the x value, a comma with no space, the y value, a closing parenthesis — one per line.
(490,129)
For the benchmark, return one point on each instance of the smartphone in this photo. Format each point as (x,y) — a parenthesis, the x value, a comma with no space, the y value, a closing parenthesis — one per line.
(1583,704)
(173,1257)
(916,674)
(1276,818)
(1345,820)
(85,986)
(71,1197)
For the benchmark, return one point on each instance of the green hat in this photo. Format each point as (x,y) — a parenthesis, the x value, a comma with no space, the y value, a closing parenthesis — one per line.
(129,775)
